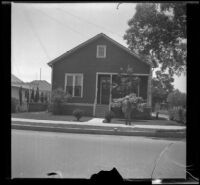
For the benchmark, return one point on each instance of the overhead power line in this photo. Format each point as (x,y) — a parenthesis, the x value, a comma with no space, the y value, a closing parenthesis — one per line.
(36,34)
(62,23)
(89,22)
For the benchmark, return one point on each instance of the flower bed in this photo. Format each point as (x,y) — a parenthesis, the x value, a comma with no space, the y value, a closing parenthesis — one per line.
(139,109)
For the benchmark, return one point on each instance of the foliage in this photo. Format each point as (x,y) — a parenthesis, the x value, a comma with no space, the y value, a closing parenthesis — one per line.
(161,87)
(32,95)
(78,114)
(42,97)
(136,102)
(157,31)
(59,97)
(14,103)
(178,115)
(27,95)
(125,82)
(37,95)
(176,99)
(20,95)
(108,116)
(46,98)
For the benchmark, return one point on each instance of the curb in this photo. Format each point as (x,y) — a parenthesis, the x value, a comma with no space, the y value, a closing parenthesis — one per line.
(150,133)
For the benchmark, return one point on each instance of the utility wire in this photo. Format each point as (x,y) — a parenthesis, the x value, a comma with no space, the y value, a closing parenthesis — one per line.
(89,22)
(36,34)
(62,23)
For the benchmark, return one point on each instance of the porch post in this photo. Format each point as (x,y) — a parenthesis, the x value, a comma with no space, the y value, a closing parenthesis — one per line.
(95,98)
(149,89)
(51,84)
(110,98)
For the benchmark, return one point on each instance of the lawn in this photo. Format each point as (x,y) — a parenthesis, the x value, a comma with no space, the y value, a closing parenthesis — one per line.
(153,121)
(47,116)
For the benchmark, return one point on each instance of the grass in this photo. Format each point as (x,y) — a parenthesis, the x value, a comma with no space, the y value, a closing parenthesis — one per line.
(153,121)
(47,116)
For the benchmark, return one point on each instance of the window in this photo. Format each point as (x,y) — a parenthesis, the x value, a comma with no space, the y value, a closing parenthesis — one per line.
(74,84)
(101,51)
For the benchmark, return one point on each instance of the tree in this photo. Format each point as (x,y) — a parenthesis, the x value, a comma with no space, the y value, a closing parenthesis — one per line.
(37,95)
(158,32)
(125,83)
(20,95)
(42,97)
(32,95)
(161,87)
(177,99)
(27,95)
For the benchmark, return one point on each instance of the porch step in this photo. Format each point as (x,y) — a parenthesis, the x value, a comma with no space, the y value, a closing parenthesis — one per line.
(100,110)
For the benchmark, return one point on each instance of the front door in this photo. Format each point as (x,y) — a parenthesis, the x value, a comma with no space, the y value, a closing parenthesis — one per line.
(104,90)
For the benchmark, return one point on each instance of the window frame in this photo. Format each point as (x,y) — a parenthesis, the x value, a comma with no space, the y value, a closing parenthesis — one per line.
(73,83)
(97,54)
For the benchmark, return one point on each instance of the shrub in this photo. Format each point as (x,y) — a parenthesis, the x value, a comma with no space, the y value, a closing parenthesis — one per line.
(178,115)
(14,103)
(78,114)
(108,116)
(59,97)
(139,107)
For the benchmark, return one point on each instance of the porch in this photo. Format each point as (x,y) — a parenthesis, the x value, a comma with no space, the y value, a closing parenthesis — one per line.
(105,93)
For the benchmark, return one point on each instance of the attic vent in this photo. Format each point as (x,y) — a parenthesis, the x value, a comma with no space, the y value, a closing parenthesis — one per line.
(101,51)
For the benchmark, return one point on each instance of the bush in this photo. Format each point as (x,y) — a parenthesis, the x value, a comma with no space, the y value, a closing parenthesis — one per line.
(14,103)
(78,114)
(178,115)
(108,116)
(59,98)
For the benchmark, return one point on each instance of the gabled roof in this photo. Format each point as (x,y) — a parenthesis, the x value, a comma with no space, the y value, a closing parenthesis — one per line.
(93,39)
(43,85)
(14,79)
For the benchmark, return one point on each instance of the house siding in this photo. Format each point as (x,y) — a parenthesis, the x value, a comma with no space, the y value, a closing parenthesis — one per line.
(84,61)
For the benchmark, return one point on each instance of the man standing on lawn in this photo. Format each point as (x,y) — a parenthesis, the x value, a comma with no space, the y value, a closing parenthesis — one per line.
(126,109)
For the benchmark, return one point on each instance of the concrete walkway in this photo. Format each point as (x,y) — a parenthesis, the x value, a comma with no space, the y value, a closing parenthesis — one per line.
(161,115)
(98,122)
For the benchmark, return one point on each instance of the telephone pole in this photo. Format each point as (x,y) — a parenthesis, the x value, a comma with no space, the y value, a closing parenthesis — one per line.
(40,74)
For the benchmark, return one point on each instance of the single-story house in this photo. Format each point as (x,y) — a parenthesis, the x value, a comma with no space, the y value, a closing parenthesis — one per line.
(16,84)
(43,85)
(87,71)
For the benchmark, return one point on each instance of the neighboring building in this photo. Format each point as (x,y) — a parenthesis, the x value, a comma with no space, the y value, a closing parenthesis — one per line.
(16,83)
(43,86)
(87,71)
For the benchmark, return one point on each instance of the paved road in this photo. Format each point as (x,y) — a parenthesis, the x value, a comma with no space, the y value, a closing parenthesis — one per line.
(80,155)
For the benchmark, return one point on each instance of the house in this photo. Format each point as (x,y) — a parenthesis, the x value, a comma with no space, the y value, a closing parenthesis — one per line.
(87,71)
(43,85)
(16,83)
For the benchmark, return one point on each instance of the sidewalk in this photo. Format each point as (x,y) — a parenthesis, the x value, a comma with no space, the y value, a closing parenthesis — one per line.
(96,126)
(161,115)
(99,122)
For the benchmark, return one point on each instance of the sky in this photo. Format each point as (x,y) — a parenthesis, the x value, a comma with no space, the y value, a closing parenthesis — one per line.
(42,32)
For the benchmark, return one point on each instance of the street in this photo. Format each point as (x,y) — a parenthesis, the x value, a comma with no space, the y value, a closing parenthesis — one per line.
(34,154)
